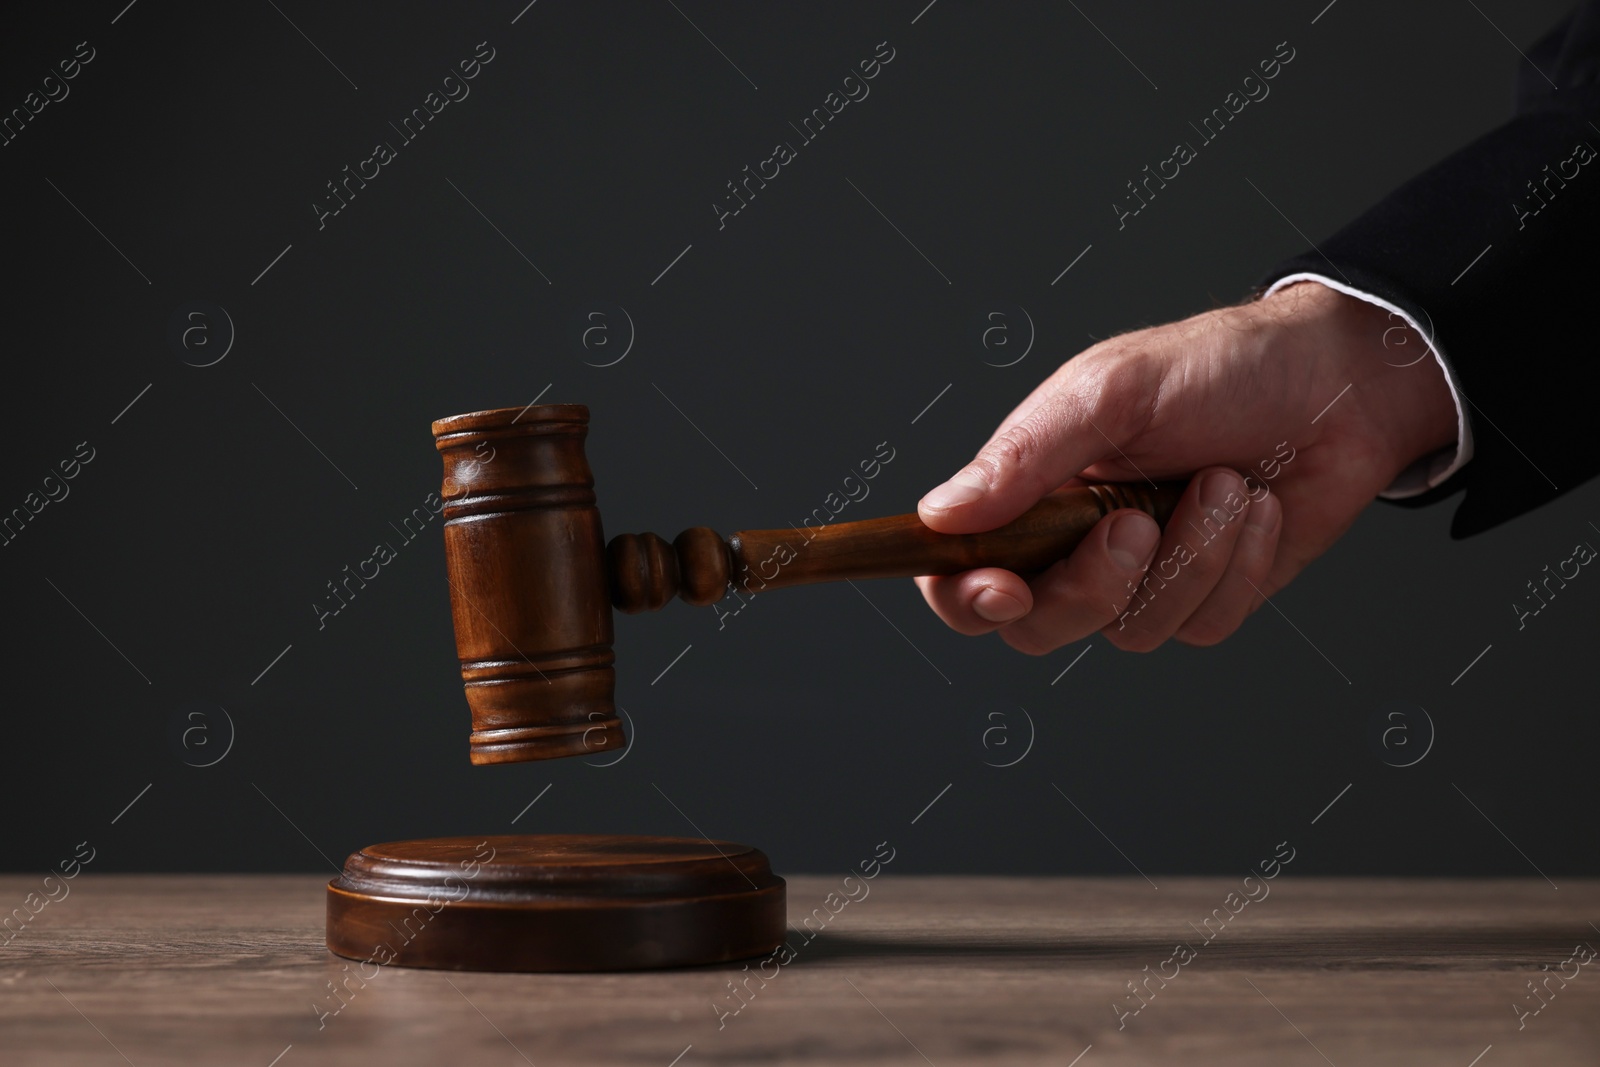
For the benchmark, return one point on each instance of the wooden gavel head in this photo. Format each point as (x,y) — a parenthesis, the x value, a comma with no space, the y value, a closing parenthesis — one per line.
(532,582)
(528,584)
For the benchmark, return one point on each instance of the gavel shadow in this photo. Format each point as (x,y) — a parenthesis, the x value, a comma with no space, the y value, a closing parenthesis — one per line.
(1384,949)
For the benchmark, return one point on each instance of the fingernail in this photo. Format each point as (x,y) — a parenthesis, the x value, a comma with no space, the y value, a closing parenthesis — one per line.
(1263,513)
(1217,487)
(964,488)
(992,605)
(1132,540)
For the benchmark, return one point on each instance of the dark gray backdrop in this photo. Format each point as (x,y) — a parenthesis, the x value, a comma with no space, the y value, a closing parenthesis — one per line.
(178,576)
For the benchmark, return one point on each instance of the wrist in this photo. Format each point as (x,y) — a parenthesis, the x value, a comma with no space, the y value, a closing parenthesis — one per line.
(1398,397)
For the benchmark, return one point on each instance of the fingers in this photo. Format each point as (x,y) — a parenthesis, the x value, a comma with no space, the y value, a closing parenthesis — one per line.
(1243,587)
(1198,549)
(1079,594)
(1073,421)
(1090,588)
(1197,581)
(979,601)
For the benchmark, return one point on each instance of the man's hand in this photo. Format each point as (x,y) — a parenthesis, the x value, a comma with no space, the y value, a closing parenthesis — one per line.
(1238,399)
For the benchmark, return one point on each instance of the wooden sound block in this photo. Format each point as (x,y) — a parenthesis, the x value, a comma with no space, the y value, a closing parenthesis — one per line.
(555,902)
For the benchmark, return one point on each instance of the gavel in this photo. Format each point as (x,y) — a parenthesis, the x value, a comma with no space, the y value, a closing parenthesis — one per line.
(533,583)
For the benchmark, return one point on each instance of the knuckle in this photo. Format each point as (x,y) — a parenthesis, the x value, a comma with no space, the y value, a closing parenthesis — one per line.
(963,622)
(1132,637)
(1010,455)
(1126,389)
(1121,382)
(949,613)
(1203,633)
(1026,640)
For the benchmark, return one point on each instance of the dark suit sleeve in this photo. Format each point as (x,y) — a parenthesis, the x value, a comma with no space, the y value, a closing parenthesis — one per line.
(1495,247)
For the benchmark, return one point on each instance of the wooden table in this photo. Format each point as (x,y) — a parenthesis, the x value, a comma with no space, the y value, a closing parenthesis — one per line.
(153,970)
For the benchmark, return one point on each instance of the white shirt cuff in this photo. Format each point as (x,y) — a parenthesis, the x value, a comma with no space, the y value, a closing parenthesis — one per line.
(1428,471)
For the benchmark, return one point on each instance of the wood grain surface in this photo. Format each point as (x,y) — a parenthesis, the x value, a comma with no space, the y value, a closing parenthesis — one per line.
(160,969)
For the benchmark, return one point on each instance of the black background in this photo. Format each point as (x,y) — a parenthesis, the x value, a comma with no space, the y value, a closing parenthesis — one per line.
(818,722)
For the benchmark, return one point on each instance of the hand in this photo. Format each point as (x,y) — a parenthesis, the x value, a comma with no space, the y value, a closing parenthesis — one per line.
(1239,396)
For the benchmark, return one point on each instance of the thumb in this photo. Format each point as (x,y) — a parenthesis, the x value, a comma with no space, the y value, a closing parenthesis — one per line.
(1031,456)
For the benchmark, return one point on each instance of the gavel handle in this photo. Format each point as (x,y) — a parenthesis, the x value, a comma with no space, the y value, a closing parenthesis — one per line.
(646,572)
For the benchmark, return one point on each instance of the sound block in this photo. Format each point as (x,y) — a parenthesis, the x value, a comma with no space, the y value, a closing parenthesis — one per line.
(555,902)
